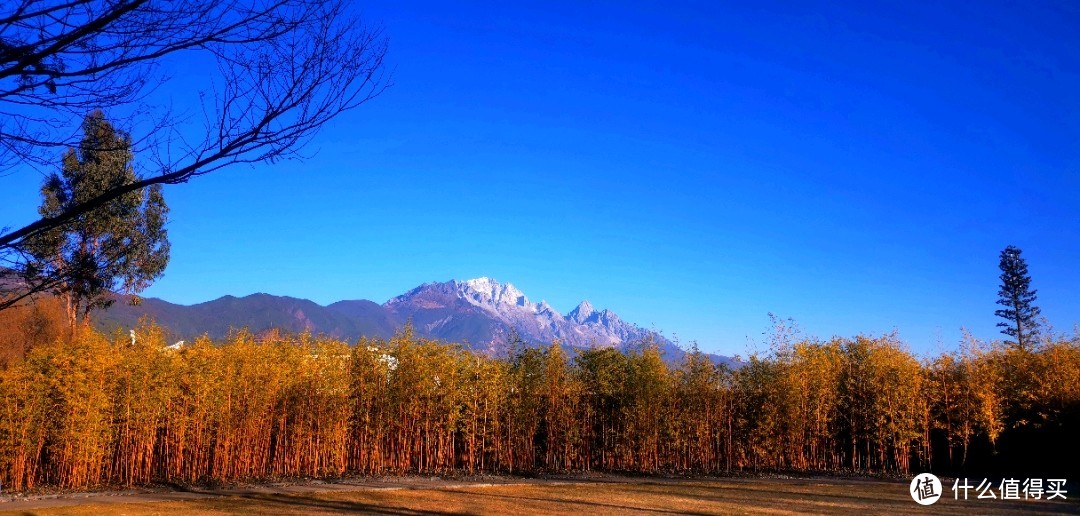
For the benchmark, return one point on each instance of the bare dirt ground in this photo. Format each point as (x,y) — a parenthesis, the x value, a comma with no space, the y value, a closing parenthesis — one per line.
(595,494)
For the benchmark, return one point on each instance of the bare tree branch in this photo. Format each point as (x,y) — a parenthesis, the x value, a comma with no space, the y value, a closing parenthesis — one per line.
(285,68)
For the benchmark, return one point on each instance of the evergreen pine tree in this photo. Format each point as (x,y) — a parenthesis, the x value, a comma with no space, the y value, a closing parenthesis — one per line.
(1018,299)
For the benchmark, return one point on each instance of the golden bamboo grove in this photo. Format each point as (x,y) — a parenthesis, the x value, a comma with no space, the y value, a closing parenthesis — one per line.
(96,410)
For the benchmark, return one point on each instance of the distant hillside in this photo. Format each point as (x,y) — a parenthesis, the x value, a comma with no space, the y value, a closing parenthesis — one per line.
(257,312)
(482,313)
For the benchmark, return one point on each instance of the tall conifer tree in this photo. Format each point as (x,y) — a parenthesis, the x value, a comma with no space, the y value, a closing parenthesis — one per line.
(1017,298)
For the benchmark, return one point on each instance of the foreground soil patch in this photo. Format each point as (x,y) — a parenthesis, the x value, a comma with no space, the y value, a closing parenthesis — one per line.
(605,495)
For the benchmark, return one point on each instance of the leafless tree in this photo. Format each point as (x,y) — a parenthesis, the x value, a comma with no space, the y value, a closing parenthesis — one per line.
(282,69)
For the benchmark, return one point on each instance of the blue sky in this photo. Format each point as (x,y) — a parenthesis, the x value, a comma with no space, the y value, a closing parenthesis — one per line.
(692,167)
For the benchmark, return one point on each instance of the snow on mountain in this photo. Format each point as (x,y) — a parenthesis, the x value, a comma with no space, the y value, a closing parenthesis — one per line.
(581,313)
(450,306)
(488,293)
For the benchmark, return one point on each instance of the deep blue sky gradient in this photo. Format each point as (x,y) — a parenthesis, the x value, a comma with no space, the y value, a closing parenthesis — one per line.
(693,167)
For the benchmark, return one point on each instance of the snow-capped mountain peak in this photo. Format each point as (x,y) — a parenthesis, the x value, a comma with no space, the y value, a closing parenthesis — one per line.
(494,311)
(489,293)
(581,313)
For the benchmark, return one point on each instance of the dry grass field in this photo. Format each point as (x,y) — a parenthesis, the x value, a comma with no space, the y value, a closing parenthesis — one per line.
(606,495)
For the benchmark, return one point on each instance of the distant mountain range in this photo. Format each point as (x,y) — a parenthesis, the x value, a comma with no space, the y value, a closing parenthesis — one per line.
(482,313)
